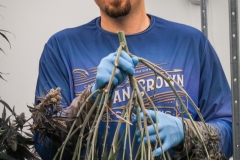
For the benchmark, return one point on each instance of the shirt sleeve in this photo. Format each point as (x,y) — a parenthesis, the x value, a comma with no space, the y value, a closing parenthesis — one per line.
(192,142)
(215,97)
(53,73)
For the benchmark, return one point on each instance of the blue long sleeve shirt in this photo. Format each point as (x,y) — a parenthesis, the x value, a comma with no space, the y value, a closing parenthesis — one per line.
(71,56)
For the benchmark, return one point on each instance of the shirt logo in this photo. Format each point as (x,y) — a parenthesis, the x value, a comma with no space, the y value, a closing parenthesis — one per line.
(156,87)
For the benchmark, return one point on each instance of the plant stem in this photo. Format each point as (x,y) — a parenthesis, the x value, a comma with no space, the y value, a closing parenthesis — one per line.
(168,80)
(67,138)
(125,137)
(76,149)
(167,77)
(105,133)
(96,129)
(115,137)
(155,128)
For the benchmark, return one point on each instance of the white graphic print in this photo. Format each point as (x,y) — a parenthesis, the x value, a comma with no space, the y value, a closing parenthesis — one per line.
(156,87)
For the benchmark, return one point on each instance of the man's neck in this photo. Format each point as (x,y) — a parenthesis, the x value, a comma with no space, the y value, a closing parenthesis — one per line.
(130,24)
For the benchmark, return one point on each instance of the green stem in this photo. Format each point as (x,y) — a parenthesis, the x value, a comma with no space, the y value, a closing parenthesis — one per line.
(68,136)
(168,77)
(140,101)
(133,82)
(89,138)
(168,80)
(136,156)
(86,121)
(125,137)
(76,149)
(96,129)
(105,134)
(129,136)
(115,137)
(155,111)
(113,72)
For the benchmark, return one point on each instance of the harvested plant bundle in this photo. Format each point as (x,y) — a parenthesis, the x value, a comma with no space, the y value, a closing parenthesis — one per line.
(52,121)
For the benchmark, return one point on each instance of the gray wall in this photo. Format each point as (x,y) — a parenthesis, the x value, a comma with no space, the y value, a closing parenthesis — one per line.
(33,22)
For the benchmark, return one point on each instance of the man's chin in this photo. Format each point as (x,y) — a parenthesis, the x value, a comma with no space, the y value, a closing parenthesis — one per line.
(116,13)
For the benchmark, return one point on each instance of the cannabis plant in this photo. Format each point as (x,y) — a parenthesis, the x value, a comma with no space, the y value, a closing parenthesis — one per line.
(3,35)
(48,119)
(51,121)
(15,143)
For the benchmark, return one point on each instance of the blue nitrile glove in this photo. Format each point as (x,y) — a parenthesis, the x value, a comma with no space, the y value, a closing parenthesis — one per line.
(170,130)
(126,66)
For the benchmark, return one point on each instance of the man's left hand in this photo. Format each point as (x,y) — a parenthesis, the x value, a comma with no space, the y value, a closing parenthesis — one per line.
(169,128)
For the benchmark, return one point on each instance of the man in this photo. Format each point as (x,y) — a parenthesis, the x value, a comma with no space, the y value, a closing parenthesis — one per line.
(71,57)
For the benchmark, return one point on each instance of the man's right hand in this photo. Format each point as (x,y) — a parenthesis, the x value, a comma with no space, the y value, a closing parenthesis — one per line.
(126,66)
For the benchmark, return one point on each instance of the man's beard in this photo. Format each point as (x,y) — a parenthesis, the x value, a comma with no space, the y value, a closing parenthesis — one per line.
(118,11)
